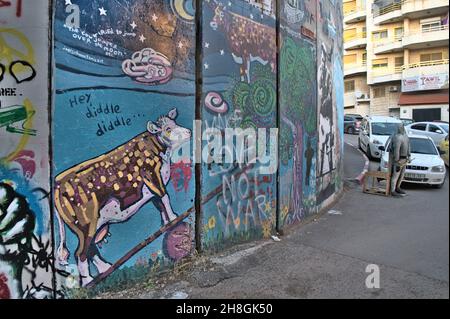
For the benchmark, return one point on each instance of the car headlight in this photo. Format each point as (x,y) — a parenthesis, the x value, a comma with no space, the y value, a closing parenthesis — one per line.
(377,142)
(438,169)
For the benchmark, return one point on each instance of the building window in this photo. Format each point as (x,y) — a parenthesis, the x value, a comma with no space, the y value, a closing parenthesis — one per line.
(398,33)
(378,35)
(349,7)
(379,92)
(349,86)
(364,58)
(380,63)
(431,25)
(399,61)
(431,57)
(350,59)
(350,34)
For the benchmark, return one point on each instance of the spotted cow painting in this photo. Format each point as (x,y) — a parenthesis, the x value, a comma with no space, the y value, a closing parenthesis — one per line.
(113,187)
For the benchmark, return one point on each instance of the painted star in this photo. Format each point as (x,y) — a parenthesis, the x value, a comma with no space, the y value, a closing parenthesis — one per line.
(222,52)
(155,17)
(180,45)
(142,38)
(102,11)
(268,207)
(68,2)
(206,45)
(133,25)
(206,65)
(251,16)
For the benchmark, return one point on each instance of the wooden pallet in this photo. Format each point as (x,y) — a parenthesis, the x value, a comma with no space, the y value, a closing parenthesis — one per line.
(372,185)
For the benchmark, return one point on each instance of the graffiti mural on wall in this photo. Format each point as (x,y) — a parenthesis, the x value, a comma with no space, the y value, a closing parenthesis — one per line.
(129,104)
(14,7)
(239,71)
(26,255)
(125,90)
(331,109)
(248,38)
(298,110)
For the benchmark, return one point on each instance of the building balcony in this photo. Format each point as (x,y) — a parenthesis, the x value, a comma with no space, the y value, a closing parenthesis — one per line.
(355,98)
(349,99)
(387,74)
(429,75)
(412,9)
(355,41)
(354,15)
(388,45)
(426,68)
(416,9)
(388,14)
(427,38)
(355,69)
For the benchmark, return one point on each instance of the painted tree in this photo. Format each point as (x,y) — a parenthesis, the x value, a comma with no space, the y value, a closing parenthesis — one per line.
(257,100)
(297,110)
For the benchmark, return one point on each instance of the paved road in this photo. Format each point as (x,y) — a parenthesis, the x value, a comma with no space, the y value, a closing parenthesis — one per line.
(407,238)
(414,228)
(355,162)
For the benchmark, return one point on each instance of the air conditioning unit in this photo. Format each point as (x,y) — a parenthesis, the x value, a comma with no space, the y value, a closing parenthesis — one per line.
(362,96)
(393,88)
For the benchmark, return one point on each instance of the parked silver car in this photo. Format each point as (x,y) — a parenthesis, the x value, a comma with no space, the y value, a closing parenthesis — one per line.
(436,130)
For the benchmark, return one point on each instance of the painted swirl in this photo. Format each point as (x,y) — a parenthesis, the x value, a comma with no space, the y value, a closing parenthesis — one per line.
(263,97)
(215,103)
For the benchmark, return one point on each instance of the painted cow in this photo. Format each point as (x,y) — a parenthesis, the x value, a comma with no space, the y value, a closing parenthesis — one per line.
(249,40)
(113,187)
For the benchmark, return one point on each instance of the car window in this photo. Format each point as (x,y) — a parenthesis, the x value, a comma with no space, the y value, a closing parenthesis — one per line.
(419,127)
(386,129)
(407,122)
(422,146)
(434,129)
(445,127)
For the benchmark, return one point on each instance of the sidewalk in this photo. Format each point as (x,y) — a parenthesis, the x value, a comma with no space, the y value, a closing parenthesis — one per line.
(328,257)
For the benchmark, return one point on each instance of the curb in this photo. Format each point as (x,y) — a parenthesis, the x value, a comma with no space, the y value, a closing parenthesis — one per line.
(360,177)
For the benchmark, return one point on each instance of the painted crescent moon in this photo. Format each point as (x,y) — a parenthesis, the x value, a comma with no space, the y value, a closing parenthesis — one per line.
(184,9)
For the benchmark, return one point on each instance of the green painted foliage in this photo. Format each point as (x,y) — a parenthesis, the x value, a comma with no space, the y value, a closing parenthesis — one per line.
(256,100)
(297,78)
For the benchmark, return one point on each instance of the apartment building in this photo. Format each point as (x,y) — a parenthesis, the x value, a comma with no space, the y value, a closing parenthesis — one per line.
(396,59)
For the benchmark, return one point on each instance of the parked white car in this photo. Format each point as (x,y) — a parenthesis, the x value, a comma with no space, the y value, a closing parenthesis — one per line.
(426,167)
(375,131)
(436,130)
